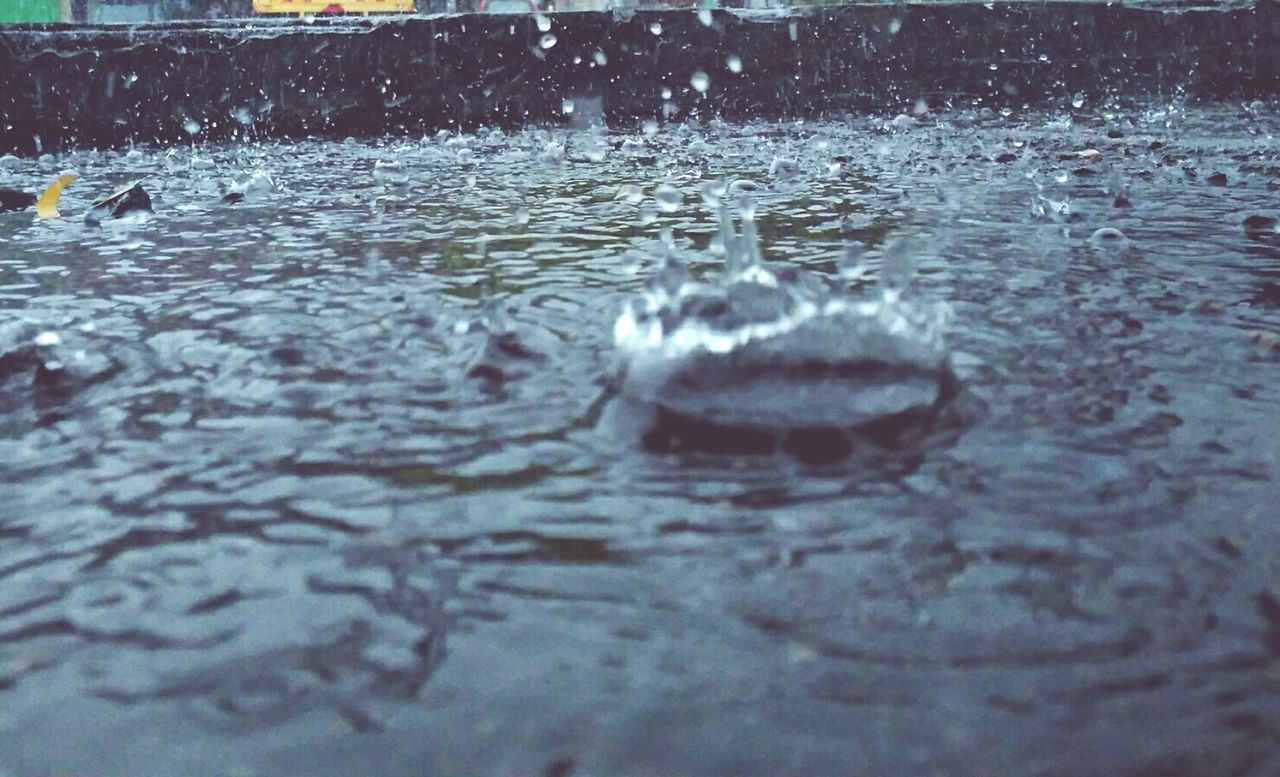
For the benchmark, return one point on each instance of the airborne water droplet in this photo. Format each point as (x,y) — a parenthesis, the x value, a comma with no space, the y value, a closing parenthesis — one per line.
(543,22)
(1077,101)
(704,16)
(192,127)
(656,28)
(700,81)
(547,41)
(734,63)
(668,197)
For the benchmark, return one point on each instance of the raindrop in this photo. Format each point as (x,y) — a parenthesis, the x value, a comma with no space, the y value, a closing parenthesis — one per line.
(734,63)
(668,197)
(712,192)
(656,28)
(650,127)
(700,81)
(1077,100)
(192,127)
(894,26)
(242,116)
(704,16)
(543,22)
(600,58)
(566,106)
(666,93)
(547,41)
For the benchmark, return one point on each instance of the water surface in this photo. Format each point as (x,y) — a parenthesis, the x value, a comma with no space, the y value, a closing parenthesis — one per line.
(261,514)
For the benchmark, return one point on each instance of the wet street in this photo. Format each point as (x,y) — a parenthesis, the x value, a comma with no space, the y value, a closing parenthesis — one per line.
(328,477)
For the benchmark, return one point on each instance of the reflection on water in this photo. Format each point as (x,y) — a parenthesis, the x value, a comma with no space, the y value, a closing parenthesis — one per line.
(314,480)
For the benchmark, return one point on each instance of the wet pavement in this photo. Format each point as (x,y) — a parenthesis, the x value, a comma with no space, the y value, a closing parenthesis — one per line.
(316,482)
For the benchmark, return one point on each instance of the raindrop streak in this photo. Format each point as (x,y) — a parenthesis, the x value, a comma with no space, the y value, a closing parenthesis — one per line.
(700,81)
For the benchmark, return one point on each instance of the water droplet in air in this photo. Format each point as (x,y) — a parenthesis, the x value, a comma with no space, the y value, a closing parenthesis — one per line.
(656,28)
(704,16)
(547,41)
(734,63)
(1077,100)
(192,127)
(668,197)
(543,22)
(700,81)
(566,106)
(600,58)
(666,93)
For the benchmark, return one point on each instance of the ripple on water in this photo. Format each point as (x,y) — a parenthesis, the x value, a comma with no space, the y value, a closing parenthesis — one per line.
(327,459)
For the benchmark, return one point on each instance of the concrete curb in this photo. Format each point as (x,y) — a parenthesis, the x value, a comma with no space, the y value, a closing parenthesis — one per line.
(107,86)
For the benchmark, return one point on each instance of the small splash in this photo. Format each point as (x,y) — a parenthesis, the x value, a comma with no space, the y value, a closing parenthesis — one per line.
(775,357)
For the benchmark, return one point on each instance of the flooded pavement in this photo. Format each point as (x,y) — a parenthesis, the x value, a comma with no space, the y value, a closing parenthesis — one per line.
(335,475)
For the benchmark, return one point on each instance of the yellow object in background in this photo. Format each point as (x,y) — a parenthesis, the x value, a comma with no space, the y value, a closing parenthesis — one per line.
(47,205)
(333,6)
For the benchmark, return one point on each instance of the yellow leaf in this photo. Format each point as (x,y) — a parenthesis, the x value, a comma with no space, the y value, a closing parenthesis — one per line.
(47,205)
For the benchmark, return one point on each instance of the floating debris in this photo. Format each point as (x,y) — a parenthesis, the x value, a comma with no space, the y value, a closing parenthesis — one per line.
(128,199)
(47,204)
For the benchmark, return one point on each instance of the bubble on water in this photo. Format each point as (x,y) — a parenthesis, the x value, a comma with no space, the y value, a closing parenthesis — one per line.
(1110,239)
(629,192)
(734,63)
(547,41)
(192,127)
(700,81)
(656,28)
(1043,57)
(668,197)
(390,171)
(1077,100)
(704,16)
(566,106)
(543,21)
(600,58)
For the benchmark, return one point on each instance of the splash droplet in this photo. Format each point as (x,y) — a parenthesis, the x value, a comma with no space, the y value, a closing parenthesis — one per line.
(734,63)
(700,81)
(547,41)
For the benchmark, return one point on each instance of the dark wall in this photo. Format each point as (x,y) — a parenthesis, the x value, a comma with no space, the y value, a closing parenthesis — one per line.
(352,76)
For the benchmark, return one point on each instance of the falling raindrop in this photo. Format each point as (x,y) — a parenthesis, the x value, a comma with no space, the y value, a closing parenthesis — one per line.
(666,93)
(600,58)
(1077,100)
(547,41)
(192,127)
(700,81)
(704,16)
(544,22)
(734,63)
(566,106)
(656,28)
